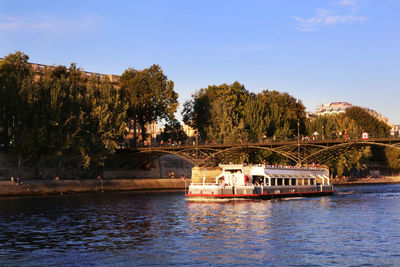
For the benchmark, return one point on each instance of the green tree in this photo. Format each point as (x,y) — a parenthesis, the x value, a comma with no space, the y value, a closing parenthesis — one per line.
(285,112)
(14,72)
(368,123)
(173,131)
(150,96)
(393,158)
(350,125)
(102,118)
(196,112)
(354,158)
(256,119)
(217,112)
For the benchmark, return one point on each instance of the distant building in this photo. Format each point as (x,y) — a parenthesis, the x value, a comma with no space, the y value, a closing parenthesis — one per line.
(395,130)
(341,107)
(114,79)
(189,131)
(153,132)
(333,108)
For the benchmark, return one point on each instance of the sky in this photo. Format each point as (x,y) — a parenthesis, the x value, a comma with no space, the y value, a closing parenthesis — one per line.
(318,51)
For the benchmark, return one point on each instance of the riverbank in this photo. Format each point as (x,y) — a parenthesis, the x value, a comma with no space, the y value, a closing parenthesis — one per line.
(361,181)
(38,187)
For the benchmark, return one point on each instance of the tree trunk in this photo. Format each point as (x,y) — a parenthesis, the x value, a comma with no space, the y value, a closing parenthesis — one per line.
(6,139)
(134,132)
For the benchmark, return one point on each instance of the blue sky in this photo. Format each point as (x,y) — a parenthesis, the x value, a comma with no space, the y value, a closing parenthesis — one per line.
(318,51)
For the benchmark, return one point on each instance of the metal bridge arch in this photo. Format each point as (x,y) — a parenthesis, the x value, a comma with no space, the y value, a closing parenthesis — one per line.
(299,152)
(247,147)
(163,152)
(347,144)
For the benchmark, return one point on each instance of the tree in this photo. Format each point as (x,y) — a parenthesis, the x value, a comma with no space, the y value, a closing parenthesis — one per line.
(173,131)
(196,112)
(285,112)
(150,96)
(256,119)
(14,72)
(367,122)
(217,112)
(393,158)
(342,163)
(102,118)
(350,125)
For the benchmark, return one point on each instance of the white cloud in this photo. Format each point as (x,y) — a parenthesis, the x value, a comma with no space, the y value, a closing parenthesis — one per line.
(9,23)
(346,3)
(48,24)
(327,17)
(250,48)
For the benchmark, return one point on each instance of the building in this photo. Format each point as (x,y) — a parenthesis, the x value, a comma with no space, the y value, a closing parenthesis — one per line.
(335,108)
(395,130)
(114,79)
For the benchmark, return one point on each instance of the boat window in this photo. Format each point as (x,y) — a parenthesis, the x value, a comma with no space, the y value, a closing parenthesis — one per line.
(258,179)
(312,182)
(273,181)
(286,181)
(234,171)
(279,180)
(293,181)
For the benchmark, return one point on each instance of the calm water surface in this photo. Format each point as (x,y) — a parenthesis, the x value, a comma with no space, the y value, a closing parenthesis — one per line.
(358,226)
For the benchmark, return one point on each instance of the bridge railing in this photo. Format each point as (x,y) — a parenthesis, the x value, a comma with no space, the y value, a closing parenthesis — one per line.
(301,139)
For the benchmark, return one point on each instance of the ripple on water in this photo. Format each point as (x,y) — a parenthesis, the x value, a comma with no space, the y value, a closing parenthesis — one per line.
(356,226)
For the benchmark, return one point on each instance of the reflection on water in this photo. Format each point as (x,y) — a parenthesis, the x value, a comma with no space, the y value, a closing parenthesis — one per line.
(357,225)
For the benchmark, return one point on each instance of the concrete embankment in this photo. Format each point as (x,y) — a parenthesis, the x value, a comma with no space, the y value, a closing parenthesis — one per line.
(361,181)
(35,187)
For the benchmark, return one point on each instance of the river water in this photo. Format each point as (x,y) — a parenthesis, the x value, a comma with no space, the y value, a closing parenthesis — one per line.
(359,225)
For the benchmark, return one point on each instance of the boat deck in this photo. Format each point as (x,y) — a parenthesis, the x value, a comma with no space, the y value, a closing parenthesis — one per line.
(255,191)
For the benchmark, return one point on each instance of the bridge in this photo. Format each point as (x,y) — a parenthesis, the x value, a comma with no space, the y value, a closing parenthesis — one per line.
(299,152)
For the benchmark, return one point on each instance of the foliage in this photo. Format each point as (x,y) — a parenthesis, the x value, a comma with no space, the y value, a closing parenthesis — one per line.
(217,112)
(230,114)
(393,158)
(256,119)
(150,96)
(173,132)
(102,122)
(354,158)
(367,122)
(56,111)
(350,125)
(14,73)
(284,112)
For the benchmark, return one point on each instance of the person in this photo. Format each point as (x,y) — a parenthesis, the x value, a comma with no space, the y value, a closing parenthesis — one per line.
(100,180)
(172,175)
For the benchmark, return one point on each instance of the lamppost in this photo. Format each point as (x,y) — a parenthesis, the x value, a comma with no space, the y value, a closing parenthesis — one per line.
(298,142)
(323,133)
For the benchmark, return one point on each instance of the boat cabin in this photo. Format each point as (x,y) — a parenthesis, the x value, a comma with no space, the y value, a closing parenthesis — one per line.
(271,175)
(233,174)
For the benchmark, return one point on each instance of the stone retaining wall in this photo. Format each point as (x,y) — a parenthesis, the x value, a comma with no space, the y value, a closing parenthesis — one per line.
(34,187)
(383,180)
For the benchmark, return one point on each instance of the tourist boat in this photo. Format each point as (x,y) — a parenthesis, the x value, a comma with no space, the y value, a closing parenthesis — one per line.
(238,181)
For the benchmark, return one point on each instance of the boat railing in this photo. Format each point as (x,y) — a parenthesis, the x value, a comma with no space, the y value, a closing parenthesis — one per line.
(209,184)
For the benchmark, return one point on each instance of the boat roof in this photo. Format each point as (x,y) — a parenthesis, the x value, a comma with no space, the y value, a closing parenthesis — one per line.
(231,166)
(288,172)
